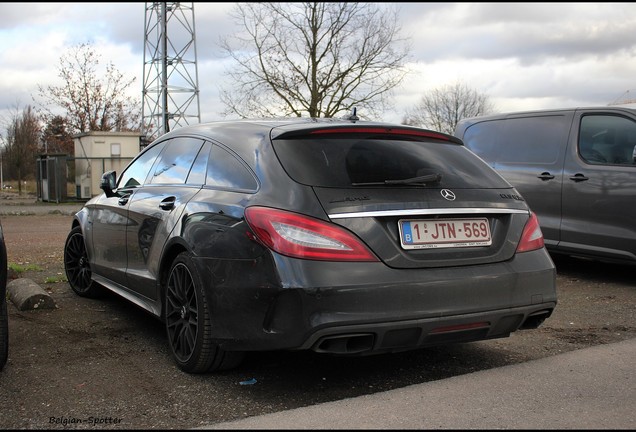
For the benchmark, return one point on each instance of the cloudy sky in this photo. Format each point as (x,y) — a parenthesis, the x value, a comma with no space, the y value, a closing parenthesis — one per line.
(522,55)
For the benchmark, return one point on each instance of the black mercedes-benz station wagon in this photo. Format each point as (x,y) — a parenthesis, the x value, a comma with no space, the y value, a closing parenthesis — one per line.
(339,236)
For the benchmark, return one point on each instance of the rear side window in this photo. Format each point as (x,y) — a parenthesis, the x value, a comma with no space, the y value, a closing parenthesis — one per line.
(482,138)
(533,140)
(225,171)
(355,159)
(527,140)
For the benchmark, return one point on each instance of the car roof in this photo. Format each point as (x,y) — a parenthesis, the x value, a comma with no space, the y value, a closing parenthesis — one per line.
(275,127)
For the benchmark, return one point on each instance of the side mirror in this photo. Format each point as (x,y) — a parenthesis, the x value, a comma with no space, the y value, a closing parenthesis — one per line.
(108,183)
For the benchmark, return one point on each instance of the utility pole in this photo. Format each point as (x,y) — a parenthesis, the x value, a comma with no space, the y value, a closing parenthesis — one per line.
(171,81)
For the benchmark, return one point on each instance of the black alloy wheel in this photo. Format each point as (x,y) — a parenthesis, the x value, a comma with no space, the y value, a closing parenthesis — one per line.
(76,265)
(188,322)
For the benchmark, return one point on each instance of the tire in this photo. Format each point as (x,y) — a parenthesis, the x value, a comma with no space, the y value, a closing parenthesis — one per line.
(4,330)
(77,267)
(188,322)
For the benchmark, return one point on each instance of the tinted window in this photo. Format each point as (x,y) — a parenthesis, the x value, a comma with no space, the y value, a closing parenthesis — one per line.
(529,140)
(200,166)
(226,171)
(482,139)
(343,161)
(175,161)
(137,171)
(607,140)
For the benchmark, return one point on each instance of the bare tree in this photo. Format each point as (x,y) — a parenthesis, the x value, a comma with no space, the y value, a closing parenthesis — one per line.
(21,144)
(444,107)
(316,59)
(90,102)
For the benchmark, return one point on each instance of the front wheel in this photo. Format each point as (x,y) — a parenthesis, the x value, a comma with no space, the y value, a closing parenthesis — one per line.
(188,322)
(77,267)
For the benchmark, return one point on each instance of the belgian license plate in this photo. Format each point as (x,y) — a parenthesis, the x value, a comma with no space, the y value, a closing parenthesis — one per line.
(444,233)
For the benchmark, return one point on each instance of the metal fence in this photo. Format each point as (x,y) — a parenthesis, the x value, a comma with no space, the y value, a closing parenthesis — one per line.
(62,178)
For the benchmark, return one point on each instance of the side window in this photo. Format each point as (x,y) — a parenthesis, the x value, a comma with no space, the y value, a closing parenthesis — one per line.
(136,173)
(200,166)
(227,172)
(175,161)
(481,138)
(607,140)
(532,140)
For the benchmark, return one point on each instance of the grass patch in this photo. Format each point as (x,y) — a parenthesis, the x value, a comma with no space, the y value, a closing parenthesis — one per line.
(19,268)
(55,279)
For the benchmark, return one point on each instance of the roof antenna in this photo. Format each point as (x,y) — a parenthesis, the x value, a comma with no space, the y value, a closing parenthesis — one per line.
(353,117)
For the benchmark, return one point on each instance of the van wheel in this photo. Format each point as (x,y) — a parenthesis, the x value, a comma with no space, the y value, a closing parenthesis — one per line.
(77,267)
(188,322)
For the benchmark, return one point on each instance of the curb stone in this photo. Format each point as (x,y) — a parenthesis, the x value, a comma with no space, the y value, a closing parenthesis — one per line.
(27,295)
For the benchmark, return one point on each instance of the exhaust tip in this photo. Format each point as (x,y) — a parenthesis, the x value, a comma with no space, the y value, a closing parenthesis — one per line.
(345,344)
(535,319)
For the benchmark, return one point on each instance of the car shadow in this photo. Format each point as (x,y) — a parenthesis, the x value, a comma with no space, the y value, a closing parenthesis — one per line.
(594,270)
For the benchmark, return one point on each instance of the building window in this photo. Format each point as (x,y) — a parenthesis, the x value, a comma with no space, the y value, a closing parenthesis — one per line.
(115,149)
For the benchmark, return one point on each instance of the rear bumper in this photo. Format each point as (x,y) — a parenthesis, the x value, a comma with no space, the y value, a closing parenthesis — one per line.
(364,308)
(405,335)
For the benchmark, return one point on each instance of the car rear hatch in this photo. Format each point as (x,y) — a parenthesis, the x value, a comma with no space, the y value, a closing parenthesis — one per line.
(416,198)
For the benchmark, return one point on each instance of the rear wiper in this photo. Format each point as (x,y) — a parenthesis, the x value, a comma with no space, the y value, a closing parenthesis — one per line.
(423,180)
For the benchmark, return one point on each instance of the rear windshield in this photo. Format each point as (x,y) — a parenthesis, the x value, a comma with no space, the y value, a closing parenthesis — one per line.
(359,161)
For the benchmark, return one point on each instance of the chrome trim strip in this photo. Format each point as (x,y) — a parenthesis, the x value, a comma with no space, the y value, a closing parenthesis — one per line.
(436,211)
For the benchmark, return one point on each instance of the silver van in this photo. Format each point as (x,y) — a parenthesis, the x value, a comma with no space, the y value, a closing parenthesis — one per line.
(576,168)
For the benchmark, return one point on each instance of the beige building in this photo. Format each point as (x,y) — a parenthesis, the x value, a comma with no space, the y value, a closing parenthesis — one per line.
(98,152)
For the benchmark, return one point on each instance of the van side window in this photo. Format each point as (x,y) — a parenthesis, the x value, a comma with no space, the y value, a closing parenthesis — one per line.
(607,140)
(481,138)
(527,140)
(532,140)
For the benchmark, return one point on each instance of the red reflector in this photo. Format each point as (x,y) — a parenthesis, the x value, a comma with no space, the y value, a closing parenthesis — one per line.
(458,327)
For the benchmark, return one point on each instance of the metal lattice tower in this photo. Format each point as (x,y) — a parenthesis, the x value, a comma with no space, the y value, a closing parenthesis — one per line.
(171,82)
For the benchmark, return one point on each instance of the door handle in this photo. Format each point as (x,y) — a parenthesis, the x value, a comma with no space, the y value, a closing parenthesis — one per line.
(545,176)
(167,203)
(579,177)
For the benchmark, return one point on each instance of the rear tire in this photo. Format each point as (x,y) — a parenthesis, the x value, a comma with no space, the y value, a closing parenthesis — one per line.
(188,322)
(76,265)
(4,330)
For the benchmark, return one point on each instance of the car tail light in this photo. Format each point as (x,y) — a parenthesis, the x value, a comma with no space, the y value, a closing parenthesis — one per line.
(532,236)
(301,236)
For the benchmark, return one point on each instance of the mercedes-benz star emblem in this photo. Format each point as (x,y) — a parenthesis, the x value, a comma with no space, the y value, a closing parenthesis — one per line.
(448,194)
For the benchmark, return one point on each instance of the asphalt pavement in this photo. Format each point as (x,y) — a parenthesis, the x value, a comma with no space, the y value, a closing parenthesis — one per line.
(592,388)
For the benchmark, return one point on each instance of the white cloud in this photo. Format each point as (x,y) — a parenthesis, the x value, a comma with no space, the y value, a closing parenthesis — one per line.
(522,55)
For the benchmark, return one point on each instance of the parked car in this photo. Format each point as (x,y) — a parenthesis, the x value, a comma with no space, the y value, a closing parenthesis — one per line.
(339,236)
(576,169)
(4,319)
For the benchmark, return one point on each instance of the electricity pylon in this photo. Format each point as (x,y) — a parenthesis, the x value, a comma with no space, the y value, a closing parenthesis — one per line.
(171,81)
